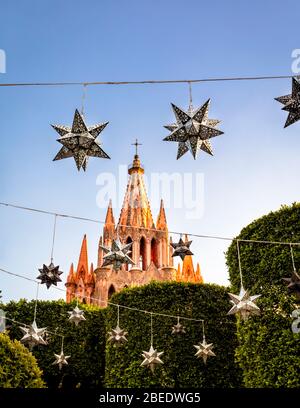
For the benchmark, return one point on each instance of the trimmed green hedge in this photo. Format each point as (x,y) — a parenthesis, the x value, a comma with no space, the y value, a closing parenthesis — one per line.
(18,368)
(181,368)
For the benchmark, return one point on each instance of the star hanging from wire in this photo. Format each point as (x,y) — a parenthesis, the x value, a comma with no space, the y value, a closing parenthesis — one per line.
(181,248)
(151,358)
(117,254)
(293,284)
(178,329)
(291,103)
(33,336)
(117,336)
(243,304)
(193,130)
(61,359)
(204,350)
(49,275)
(76,315)
(79,141)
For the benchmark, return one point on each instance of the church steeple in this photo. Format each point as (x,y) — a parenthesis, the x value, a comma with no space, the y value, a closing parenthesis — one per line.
(82,267)
(161,223)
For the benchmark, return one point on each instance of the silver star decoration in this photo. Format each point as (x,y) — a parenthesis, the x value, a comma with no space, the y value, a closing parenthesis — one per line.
(182,248)
(117,254)
(243,304)
(151,358)
(193,130)
(33,336)
(79,141)
(117,336)
(291,103)
(61,359)
(76,315)
(178,329)
(293,284)
(49,275)
(204,350)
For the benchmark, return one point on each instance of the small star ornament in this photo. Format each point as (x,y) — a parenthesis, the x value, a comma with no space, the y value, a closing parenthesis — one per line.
(117,336)
(291,103)
(204,350)
(181,248)
(76,316)
(293,284)
(79,141)
(151,358)
(243,304)
(61,359)
(33,336)
(178,328)
(117,254)
(193,130)
(49,275)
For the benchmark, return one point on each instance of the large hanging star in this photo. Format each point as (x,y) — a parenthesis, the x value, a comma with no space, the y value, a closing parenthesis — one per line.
(79,141)
(204,350)
(243,304)
(76,316)
(49,275)
(193,130)
(118,336)
(117,254)
(182,248)
(291,103)
(151,358)
(293,284)
(61,359)
(33,336)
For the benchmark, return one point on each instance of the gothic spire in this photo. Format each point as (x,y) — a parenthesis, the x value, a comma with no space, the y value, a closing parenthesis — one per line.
(161,223)
(83,257)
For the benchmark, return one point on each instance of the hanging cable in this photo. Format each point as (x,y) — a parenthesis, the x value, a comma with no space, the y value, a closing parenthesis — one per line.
(239,260)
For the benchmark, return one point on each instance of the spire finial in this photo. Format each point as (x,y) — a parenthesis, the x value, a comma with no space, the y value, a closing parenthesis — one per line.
(136,144)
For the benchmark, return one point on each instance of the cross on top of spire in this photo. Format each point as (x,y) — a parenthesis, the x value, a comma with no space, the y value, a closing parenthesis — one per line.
(136,144)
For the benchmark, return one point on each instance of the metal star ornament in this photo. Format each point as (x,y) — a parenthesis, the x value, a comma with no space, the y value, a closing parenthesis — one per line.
(117,336)
(61,359)
(117,254)
(293,284)
(193,130)
(181,248)
(291,103)
(33,336)
(79,141)
(151,358)
(76,316)
(243,304)
(49,275)
(204,350)
(178,328)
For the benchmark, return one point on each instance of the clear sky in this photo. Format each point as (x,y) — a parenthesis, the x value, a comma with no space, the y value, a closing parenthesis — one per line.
(256,164)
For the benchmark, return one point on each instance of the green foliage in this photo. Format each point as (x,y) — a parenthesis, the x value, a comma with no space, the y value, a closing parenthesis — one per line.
(181,368)
(18,368)
(269,351)
(85,342)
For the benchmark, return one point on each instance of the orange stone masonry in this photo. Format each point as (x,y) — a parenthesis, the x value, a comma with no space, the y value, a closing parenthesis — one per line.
(151,250)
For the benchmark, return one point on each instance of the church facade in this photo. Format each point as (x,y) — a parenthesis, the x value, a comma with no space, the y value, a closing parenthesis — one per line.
(151,250)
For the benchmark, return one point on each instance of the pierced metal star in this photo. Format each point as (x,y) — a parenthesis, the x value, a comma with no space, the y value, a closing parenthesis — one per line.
(291,103)
(182,248)
(204,350)
(293,284)
(79,141)
(76,315)
(33,336)
(118,336)
(243,304)
(117,254)
(49,275)
(193,130)
(178,328)
(151,358)
(61,359)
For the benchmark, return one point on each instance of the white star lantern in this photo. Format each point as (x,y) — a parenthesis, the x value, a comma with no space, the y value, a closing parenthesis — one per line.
(151,358)
(243,304)
(33,336)
(117,254)
(61,359)
(117,336)
(204,350)
(76,316)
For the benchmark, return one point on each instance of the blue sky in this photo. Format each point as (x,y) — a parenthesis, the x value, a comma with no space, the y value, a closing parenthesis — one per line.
(256,165)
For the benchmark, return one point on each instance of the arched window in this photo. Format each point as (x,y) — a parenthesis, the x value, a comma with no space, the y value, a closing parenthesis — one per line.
(154,252)
(128,241)
(111,291)
(143,265)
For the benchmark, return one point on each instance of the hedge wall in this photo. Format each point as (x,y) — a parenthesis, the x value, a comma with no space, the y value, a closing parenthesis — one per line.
(268,352)
(181,368)
(85,342)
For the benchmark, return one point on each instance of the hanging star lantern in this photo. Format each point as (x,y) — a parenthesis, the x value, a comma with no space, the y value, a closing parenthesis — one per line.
(291,103)
(79,141)
(204,350)
(33,336)
(49,275)
(117,254)
(181,248)
(243,304)
(193,130)
(151,358)
(61,359)
(76,316)
(117,336)
(293,284)
(178,328)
